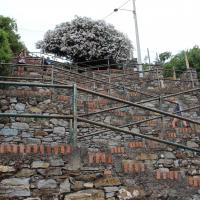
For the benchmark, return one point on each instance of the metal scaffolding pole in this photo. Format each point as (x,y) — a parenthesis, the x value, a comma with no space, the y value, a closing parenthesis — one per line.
(139,135)
(134,123)
(36,116)
(140,102)
(138,105)
(107,96)
(114,86)
(74,115)
(35,84)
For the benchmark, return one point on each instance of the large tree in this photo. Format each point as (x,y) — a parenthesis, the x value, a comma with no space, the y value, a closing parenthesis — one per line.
(84,39)
(9,26)
(10,43)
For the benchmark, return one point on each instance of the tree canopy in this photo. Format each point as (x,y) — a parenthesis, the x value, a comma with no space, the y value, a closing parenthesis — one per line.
(10,43)
(164,56)
(9,26)
(178,61)
(84,39)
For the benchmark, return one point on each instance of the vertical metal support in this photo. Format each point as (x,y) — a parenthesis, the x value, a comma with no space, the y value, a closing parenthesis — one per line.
(158,77)
(109,72)
(70,131)
(73,122)
(108,65)
(94,84)
(123,68)
(85,103)
(174,73)
(191,77)
(42,66)
(52,74)
(109,80)
(74,141)
(162,126)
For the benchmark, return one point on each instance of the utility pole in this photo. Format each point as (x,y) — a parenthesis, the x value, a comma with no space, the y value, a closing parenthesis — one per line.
(148,55)
(137,41)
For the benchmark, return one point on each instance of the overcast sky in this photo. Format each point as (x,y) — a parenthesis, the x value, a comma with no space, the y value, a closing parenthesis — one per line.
(164,25)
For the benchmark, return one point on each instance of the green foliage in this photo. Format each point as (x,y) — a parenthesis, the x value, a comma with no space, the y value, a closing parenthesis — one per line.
(5,52)
(10,27)
(10,43)
(7,24)
(164,56)
(178,62)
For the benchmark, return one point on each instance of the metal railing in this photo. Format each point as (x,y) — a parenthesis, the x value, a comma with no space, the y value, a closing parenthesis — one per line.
(74,118)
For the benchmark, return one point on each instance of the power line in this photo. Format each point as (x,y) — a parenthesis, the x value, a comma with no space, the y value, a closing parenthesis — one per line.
(123,4)
(108,15)
(114,11)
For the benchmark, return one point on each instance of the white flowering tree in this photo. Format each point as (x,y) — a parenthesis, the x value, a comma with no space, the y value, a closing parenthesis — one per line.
(84,39)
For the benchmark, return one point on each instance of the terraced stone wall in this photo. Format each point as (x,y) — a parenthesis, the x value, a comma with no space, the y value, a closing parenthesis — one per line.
(38,163)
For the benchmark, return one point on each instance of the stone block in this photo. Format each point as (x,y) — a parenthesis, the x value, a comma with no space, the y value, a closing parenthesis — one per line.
(35,110)
(56,162)
(77,185)
(25,173)
(20,107)
(88,185)
(47,184)
(40,133)
(146,156)
(192,144)
(111,189)
(124,194)
(59,130)
(107,181)
(20,126)
(15,187)
(65,186)
(5,168)
(8,132)
(90,194)
(39,164)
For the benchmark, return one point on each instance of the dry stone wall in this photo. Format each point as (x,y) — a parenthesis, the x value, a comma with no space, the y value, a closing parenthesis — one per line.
(38,163)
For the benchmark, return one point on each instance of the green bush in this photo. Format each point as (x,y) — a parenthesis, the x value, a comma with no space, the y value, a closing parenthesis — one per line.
(5,53)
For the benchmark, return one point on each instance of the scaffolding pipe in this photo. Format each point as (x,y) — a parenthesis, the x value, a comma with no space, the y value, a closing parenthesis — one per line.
(21,78)
(35,84)
(143,101)
(106,96)
(153,99)
(138,105)
(115,86)
(98,94)
(26,65)
(139,135)
(134,123)
(36,116)
(74,110)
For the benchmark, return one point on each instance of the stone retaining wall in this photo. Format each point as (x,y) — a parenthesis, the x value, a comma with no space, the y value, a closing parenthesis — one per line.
(38,163)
